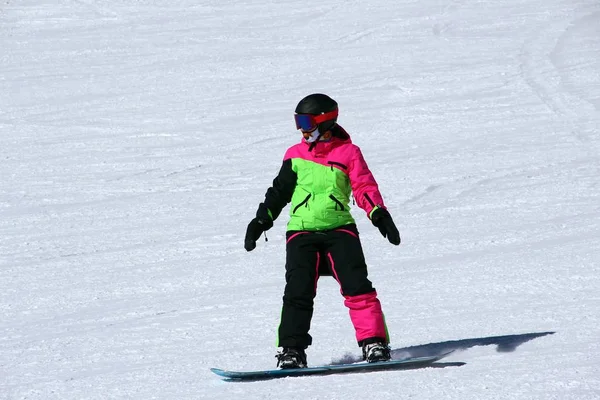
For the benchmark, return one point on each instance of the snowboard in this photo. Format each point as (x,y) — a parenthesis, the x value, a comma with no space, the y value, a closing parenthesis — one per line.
(406,363)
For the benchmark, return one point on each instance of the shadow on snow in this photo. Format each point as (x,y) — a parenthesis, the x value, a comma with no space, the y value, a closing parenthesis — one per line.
(505,344)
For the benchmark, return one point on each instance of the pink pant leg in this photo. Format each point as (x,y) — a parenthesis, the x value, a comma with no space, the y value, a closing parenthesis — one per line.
(367,316)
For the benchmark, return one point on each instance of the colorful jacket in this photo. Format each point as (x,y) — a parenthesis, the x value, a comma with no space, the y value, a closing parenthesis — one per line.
(319,184)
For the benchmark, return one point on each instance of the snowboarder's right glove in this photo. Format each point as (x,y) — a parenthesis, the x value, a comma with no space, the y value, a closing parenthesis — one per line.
(382,219)
(256,227)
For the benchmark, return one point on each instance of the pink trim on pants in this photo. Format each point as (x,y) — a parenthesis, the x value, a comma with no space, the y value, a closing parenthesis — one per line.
(335,275)
(349,232)
(294,235)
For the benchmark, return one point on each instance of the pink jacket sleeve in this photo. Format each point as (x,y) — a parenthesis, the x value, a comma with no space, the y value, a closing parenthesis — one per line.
(365,189)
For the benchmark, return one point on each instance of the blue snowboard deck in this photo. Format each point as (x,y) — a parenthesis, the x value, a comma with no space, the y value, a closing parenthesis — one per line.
(408,363)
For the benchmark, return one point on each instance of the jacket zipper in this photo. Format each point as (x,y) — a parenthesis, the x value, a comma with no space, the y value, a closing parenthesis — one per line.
(337,202)
(302,203)
(369,200)
(332,163)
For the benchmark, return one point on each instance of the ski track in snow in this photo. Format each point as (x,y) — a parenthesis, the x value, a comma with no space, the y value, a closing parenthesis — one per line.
(138,137)
(546,70)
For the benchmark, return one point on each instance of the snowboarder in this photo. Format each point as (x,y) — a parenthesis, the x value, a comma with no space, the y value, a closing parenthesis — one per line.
(318,176)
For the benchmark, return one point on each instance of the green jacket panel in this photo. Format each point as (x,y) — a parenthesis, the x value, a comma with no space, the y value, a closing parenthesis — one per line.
(321,199)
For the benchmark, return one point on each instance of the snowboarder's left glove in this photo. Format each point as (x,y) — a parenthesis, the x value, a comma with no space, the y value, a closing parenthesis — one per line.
(256,227)
(382,219)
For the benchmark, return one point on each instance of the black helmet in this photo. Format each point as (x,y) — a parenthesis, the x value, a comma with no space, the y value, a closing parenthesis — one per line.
(317,104)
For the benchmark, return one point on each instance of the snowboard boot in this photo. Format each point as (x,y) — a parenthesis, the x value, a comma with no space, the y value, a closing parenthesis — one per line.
(376,351)
(291,357)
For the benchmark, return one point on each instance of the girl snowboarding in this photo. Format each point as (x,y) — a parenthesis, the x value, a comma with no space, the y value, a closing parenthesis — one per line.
(318,176)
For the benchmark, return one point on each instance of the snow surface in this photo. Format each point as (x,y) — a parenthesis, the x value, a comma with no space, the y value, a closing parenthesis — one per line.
(138,137)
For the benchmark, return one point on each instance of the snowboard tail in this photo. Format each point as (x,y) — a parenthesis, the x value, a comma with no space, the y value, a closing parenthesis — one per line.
(407,363)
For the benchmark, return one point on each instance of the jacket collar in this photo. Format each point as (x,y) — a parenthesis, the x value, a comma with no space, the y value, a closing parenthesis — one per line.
(320,148)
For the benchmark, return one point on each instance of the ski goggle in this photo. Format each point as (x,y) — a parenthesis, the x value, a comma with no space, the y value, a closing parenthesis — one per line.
(310,122)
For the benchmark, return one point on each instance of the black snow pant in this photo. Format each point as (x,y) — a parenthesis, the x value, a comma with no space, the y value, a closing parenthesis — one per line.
(338,253)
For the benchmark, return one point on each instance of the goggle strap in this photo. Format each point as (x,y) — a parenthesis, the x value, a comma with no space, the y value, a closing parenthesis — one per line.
(325,117)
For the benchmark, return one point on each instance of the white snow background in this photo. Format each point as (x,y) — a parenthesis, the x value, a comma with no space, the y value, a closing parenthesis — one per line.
(138,137)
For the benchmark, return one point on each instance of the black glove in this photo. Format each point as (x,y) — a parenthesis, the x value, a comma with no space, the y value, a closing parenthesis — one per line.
(382,219)
(256,227)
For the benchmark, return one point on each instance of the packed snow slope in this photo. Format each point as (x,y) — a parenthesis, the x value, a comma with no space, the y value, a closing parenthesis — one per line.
(138,137)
